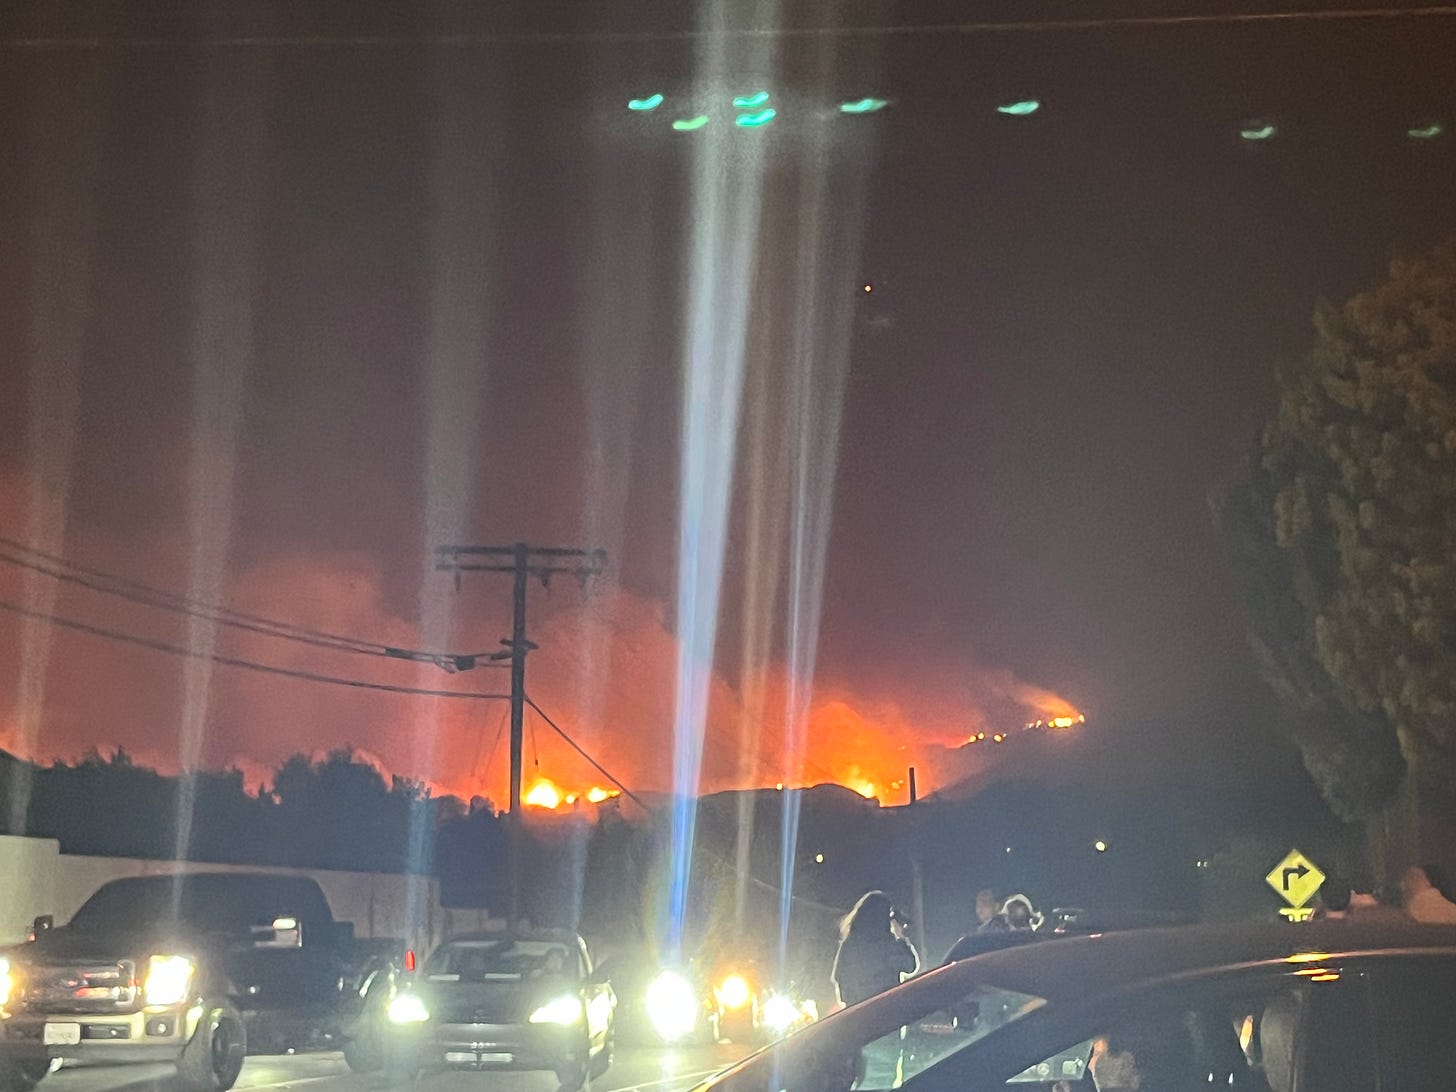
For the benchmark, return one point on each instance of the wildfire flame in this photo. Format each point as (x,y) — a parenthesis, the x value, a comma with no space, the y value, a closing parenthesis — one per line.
(543,794)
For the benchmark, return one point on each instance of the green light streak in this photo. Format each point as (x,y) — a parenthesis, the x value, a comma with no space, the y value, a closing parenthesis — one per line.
(1425,132)
(750,102)
(863,106)
(652,102)
(1019,109)
(1260,132)
(755,121)
(687,125)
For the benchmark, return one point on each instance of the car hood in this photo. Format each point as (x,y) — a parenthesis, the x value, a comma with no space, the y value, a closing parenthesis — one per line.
(64,944)
(488,1002)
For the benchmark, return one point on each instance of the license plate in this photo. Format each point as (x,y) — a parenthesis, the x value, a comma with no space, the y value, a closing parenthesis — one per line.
(61,1034)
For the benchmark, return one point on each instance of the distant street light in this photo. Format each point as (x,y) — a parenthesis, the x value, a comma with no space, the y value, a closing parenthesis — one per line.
(1100,846)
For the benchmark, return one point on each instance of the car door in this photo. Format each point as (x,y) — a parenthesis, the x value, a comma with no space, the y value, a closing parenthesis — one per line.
(1413,1008)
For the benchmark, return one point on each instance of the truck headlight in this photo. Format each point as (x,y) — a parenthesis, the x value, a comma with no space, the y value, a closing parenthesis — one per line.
(733,992)
(672,1006)
(5,982)
(407,1008)
(168,981)
(566,1009)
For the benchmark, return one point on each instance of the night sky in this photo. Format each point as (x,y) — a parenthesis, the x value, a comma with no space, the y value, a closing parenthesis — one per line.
(1074,320)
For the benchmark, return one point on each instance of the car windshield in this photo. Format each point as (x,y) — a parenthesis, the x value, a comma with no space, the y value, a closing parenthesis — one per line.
(231,903)
(499,961)
(884,1042)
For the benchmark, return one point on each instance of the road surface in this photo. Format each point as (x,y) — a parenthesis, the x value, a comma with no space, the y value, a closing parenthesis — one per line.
(635,1069)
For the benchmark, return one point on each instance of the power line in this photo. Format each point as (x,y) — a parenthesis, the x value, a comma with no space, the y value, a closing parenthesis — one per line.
(630,795)
(59,568)
(1014,26)
(234,661)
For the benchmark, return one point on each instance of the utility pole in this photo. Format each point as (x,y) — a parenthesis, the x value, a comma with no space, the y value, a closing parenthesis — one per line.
(522,561)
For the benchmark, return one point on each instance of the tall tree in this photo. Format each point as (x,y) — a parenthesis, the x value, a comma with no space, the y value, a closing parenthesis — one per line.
(1342,536)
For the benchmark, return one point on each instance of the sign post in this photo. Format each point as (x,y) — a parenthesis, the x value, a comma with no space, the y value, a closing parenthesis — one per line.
(1296,878)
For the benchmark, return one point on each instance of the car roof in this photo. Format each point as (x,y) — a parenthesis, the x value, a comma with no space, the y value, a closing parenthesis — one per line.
(1071,968)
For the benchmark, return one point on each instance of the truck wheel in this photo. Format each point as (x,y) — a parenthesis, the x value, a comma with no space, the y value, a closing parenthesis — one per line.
(213,1059)
(603,1061)
(21,1076)
(572,1078)
(362,1056)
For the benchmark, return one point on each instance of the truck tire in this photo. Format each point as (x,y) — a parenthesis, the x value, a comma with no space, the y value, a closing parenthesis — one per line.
(603,1061)
(21,1076)
(362,1056)
(213,1059)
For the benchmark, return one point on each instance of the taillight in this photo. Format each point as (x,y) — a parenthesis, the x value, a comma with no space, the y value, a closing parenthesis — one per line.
(409,959)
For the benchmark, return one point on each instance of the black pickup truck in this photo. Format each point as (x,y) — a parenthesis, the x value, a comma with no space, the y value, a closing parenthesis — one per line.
(193,969)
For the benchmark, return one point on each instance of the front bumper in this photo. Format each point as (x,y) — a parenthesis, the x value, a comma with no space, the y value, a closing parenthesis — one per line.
(490,1046)
(105,1039)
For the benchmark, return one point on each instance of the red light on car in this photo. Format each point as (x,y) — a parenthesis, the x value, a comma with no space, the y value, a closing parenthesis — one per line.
(409,959)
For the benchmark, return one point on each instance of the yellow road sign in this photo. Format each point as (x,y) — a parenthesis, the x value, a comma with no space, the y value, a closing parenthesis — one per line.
(1296,878)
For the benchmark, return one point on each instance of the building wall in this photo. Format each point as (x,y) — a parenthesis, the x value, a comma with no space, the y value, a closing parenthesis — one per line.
(37,878)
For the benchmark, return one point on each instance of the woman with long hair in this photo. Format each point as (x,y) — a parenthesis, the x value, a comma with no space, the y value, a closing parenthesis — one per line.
(874,954)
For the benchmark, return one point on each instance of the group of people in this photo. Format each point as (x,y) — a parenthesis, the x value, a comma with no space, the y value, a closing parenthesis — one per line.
(1424,891)
(875,953)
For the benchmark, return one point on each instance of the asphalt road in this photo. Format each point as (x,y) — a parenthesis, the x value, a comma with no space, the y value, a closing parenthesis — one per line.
(635,1069)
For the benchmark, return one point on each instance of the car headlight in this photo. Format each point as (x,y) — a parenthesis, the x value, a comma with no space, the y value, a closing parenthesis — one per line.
(566,1009)
(733,992)
(780,1013)
(672,1006)
(169,980)
(5,982)
(407,1008)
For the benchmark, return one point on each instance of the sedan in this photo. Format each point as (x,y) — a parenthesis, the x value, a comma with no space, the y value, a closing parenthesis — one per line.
(503,1001)
(1324,1007)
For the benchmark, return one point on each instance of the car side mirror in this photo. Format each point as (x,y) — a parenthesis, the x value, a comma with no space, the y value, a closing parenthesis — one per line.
(43,923)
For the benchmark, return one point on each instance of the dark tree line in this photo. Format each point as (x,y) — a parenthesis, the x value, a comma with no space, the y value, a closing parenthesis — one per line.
(337,812)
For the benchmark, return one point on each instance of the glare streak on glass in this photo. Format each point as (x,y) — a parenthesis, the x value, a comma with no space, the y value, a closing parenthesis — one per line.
(622,281)
(60,159)
(651,102)
(462,209)
(830,226)
(766,520)
(1258,130)
(1425,132)
(863,106)
(726,191)
(1019,109)
(688,125)
(750,102)
(226,207)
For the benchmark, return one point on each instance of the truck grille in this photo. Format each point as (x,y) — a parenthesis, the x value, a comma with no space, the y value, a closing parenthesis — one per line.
(92,987)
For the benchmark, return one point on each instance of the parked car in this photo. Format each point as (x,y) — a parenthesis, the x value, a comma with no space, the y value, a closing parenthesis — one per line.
(191,969)
(486,1001)
(1333,1007)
